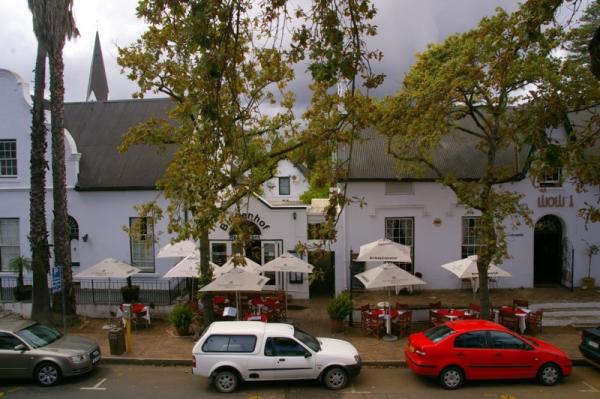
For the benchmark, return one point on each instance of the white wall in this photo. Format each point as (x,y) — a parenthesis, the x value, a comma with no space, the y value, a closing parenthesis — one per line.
(298,183)
(438,244)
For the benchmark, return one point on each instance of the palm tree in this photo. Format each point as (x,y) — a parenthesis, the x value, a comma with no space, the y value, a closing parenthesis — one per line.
(38,231)
(53,24)
(60,26)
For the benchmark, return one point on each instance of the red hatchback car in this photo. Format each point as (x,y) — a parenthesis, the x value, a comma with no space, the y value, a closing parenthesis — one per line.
(483,350)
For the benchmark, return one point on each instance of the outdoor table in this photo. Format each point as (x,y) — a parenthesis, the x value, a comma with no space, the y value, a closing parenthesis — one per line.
(451,314)
(520,314)
(388,316)
(136,309)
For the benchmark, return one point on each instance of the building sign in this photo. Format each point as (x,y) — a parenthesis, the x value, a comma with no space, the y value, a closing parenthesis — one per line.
(554,201)
(252,217)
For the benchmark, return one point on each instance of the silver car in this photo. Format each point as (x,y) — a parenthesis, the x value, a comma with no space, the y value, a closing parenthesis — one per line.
(29,349)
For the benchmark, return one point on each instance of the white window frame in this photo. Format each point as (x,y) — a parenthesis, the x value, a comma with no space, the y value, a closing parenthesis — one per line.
(9,243)
(289,185)
(409,236)
(8,162)
(470,240)
(553,179)
(142,247)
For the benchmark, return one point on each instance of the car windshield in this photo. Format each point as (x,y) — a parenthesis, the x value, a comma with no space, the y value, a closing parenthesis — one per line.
(38,335)
(307,339)
(438,333)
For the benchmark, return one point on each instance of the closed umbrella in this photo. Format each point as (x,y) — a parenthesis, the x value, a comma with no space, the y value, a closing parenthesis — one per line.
(108,268)
(287,263)
(384,250)
(467,268)
(180,249)
(236,280)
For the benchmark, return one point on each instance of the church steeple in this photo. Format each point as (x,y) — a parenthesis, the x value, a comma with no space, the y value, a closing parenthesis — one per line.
(97,83)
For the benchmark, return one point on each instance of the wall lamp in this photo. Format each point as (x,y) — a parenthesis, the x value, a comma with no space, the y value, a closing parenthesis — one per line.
(85,238)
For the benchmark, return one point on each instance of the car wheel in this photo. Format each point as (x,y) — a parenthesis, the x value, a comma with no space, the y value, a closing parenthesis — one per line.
(47,374)
(226,381)
(335,378)
(549,374)
(451,377)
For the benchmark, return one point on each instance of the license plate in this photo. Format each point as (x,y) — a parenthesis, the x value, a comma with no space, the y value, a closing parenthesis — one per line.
(95,357)
(593,344)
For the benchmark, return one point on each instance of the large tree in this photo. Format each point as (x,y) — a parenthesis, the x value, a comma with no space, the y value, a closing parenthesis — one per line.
(227,65)
(38,230)
(495,92)
(59,26)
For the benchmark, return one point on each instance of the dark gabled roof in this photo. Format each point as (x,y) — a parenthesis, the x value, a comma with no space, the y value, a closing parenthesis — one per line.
(97,128)
(370,160)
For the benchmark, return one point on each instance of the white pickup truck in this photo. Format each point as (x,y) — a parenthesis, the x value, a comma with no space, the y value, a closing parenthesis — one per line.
(233,351)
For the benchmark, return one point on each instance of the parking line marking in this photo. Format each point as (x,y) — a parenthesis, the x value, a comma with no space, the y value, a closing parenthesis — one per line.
(592,389)
(95,387)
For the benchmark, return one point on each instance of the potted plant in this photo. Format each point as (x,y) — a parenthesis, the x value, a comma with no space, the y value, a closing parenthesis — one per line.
(19,265)
(591,250)
(338,309)
(181,317)
(130,292)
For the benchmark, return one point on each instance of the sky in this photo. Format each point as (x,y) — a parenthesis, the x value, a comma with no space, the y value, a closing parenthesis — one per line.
(405,28)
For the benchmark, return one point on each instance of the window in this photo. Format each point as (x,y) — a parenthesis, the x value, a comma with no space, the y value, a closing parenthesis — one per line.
(9,242)
(8,341)
(219,253)
(502,340)
(283,347)
(294,277)
(401,230)
(284,186)
(399,188)
(438,333)
(141,240)
(230,343)
(475,339)
(74,241)
(552,178)
(8,158)
(471,237)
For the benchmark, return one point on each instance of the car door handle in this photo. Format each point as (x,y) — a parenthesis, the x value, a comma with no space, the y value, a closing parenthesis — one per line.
(282,360)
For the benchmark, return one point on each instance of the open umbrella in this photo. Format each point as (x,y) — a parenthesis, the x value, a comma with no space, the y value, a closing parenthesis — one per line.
(249,265)
(287,263)
(188,267)
(467,268)
(384,250)
(179,249)
(236,280)
(108,268)
(388,275)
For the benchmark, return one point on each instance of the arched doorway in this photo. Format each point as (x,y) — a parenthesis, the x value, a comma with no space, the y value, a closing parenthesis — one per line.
(251,249)
(547,251)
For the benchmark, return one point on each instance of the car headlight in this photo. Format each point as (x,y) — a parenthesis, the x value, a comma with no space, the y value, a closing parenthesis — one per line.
(79,358)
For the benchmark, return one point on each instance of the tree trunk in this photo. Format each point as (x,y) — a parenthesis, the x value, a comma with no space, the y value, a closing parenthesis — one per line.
(61,228)
(38,233)
(205,271)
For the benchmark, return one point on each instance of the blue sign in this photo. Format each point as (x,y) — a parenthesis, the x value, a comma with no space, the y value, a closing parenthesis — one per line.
(57,279)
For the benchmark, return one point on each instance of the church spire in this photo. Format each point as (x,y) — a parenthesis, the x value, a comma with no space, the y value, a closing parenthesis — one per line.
(97,83)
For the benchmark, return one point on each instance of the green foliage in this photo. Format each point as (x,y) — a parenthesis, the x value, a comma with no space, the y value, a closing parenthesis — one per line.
(181,317)
(19,264)
(340,306)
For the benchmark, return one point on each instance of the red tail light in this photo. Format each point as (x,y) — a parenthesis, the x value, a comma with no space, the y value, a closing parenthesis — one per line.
(193,361)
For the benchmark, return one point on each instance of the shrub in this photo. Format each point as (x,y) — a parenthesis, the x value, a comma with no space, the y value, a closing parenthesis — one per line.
(131,293)
(181,317)
(340,307)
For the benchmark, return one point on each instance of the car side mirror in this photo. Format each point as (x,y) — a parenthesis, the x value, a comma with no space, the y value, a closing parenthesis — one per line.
(307,354)
(20,348)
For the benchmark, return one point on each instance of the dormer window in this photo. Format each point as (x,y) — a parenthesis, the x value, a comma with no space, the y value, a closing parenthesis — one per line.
(552,178)
(284,185)
(8,158)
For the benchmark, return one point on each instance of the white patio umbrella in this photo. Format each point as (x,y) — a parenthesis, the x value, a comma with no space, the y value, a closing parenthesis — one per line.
(384,250)
(467,268)
(108,268)
(388,275)
(250,266)
(236,280)
(188,267)
(180,249)
(287,263)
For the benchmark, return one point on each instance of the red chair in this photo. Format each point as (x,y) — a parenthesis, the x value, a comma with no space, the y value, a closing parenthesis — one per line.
(435,305)
(508,318)
(374,325)
(435,319)
(401,306)
(520,303)
(364,310)
(401,324)
(533,322)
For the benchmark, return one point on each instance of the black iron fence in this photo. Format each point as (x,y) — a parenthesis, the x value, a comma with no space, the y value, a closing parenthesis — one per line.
(103,292)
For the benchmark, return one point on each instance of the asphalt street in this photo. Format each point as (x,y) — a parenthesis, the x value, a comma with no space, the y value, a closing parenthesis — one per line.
(143,382)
